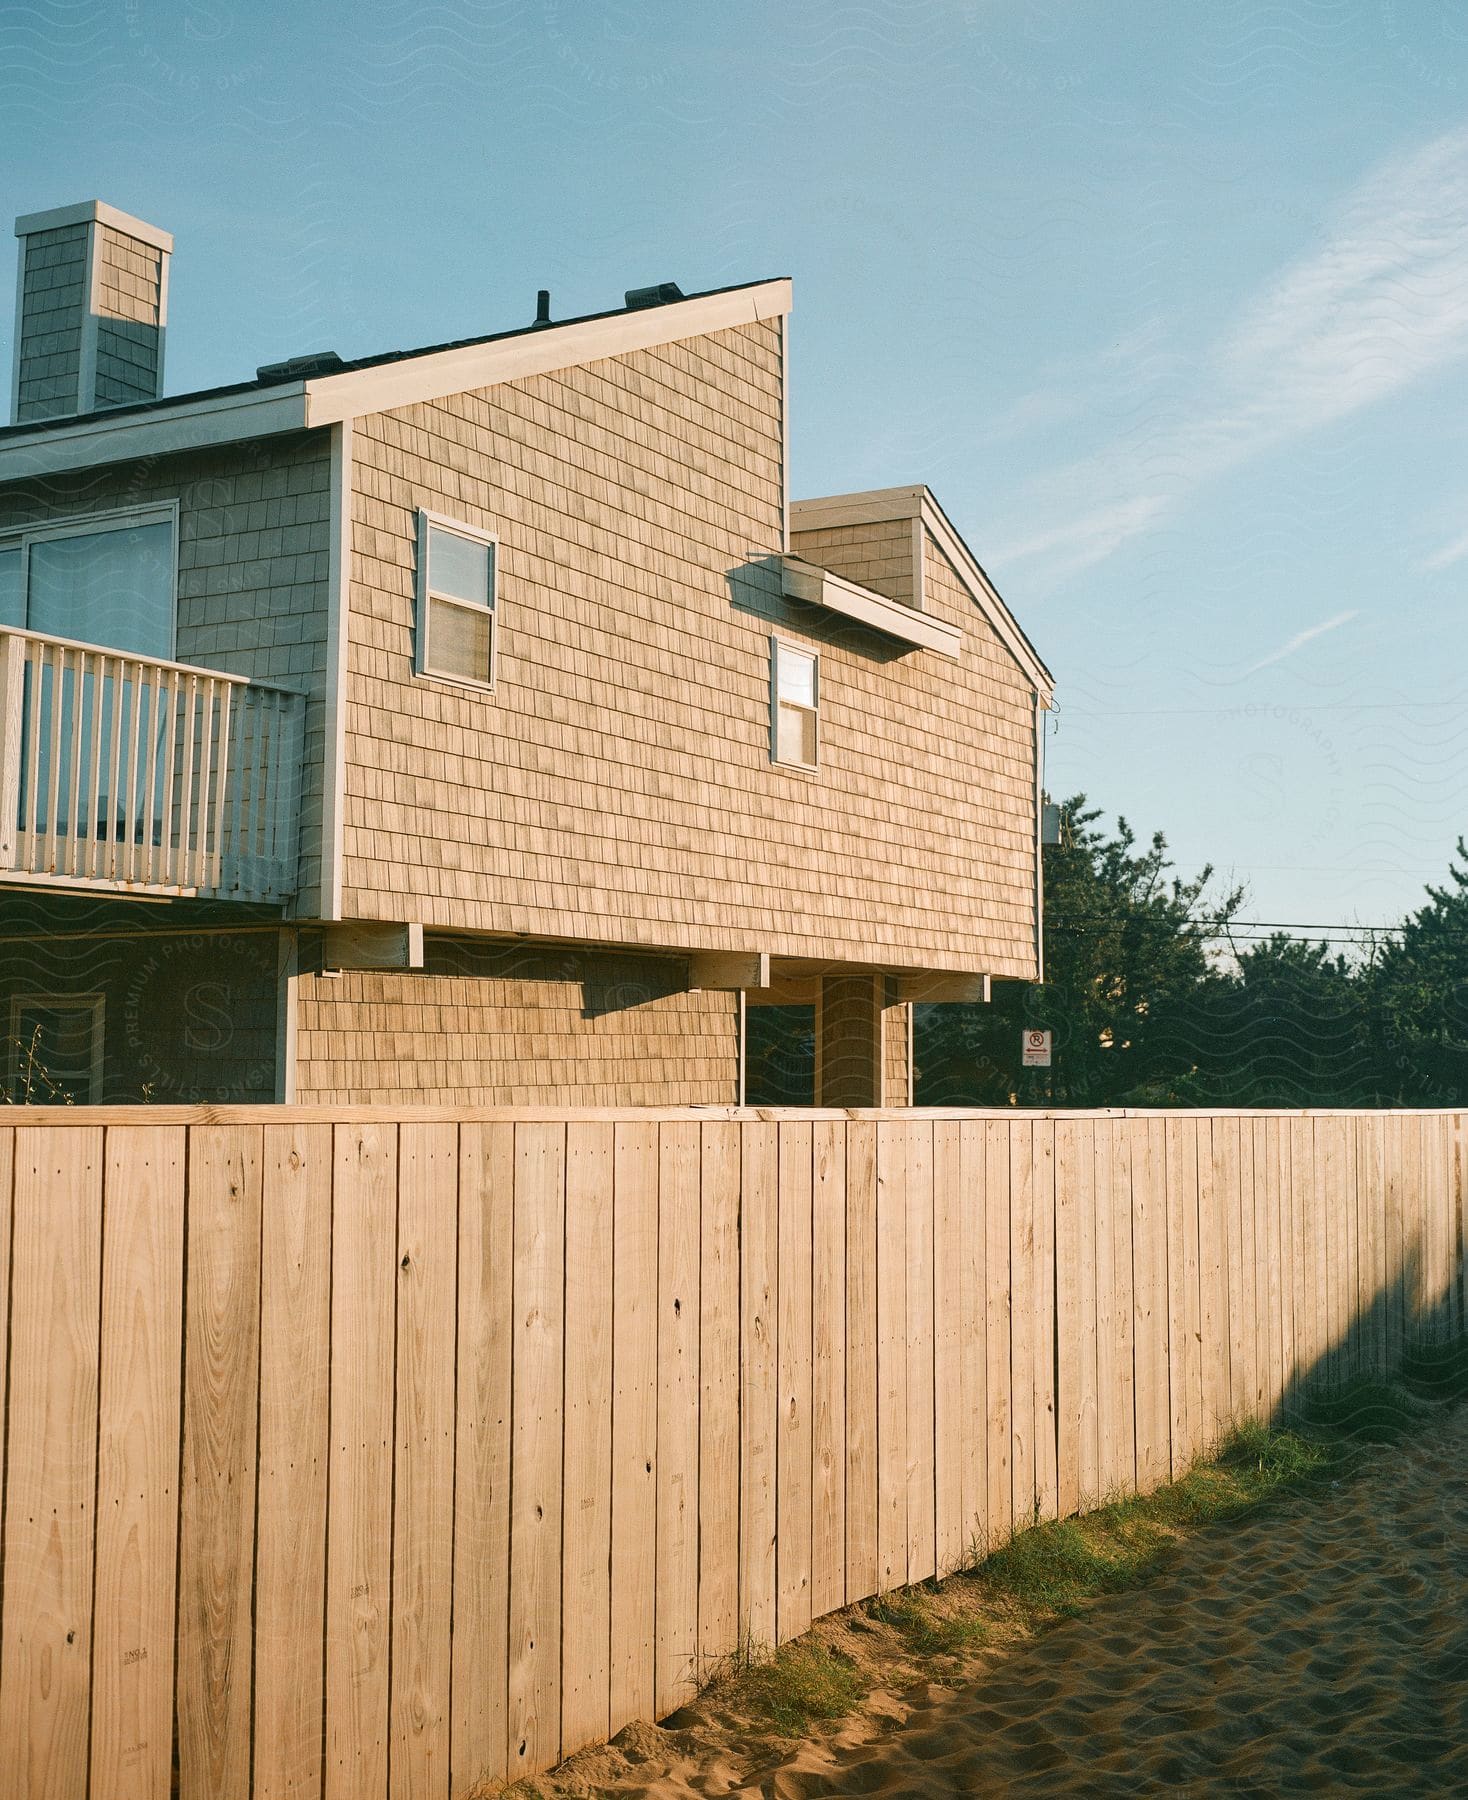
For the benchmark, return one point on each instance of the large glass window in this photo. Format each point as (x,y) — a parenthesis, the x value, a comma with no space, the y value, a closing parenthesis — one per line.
(456,602)
(780,1056)
(106,581)
(55,1049)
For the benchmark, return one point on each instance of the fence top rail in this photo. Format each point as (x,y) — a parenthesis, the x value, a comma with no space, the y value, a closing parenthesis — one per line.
(144,1114)
(148,662)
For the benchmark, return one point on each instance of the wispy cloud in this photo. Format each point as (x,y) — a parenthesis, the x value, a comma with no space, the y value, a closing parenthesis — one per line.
(1449,554)
(1300,639)
(1383,302)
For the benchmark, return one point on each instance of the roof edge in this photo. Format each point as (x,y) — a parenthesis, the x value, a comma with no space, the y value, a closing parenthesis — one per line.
(84,212)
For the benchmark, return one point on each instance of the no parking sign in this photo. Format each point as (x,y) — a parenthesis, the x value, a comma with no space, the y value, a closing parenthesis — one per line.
(1035,1049)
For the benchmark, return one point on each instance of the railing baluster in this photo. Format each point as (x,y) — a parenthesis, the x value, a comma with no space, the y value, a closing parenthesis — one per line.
(12,745)
(166,873)
(221,785)
(53,772)
(94,841)
(114,759)
(204,707)
(240,845)
(29,848)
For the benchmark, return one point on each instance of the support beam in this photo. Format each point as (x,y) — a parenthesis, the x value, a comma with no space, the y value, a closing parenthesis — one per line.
(931,990)
(371,944)
(729,969)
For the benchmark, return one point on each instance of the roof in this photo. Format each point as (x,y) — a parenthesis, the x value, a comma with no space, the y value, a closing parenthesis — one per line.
(281,402)
(878,505)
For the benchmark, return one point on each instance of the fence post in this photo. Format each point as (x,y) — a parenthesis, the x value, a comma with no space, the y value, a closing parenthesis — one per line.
(12,700)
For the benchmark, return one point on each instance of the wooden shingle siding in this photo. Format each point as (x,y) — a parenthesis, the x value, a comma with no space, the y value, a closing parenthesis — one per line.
(617,786)
(52,305)
(503,1025)
(253,536)
(128,295)
(876,555)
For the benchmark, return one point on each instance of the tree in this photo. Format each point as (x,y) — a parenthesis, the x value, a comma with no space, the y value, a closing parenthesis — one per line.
(1126,966)
(1416,992)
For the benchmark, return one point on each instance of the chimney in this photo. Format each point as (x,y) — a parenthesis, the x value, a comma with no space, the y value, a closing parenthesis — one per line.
(91,307)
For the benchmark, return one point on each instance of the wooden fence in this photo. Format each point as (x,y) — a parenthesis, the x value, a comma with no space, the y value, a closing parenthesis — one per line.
(353,1455)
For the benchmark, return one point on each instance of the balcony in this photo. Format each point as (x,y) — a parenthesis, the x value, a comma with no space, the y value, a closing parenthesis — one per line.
(126,774)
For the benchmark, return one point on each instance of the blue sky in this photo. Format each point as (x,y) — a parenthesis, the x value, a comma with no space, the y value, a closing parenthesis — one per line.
(1167,302)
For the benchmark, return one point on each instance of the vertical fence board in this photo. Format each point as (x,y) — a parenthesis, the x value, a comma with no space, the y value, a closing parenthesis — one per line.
(973,1336)
(586,1523)
(634,1420)
(948,1391)
(137,1465)
(536,1447)
(423,1504)
(1068,1281)
(359,1492)
(1109,1471)
(7,1191)
(861,1358)
(1149,1227)
(295,1372)
(718,1373)
(1257,1198)
(56,1273)
(221,1399)
(1044,1317)
(1088,1475)
(997,1309)
(759,1384)
(1235,1172)
(679,1233)
(828,1366)
(891,1355)
(479,1732)
(1182,1303)
(1213,1175)
(793,1354)
(1022,1320)
(1395,1269)
(921,1522)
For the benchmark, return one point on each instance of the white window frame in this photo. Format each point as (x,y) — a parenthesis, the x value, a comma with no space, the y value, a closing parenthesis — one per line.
(777,645)
(95,1004)
(122,518)
(426,521)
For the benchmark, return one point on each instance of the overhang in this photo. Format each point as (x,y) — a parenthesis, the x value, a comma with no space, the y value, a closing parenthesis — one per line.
(820,587)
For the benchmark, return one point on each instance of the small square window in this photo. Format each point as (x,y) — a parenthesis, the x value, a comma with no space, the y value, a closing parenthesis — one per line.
(56,1049)
(794,704)
(456,602)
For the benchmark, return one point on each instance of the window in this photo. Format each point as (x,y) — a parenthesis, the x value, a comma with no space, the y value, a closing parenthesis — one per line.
(105,580)
(794,702)
(56,1049)
(456,602)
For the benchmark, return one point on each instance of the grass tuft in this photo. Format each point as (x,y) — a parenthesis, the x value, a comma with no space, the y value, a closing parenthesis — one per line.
(798,1684)
(1368,1409)
(925,1631)
(1057,1567)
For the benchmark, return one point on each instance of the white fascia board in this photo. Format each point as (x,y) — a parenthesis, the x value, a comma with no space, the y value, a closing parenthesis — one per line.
(84,212)
(879,505)
(820,587)
(190,425)
(415,379)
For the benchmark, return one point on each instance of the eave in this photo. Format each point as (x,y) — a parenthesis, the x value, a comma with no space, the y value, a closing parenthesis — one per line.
(820,587)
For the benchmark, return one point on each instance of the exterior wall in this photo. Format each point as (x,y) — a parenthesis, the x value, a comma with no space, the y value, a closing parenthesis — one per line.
(878,556)
(489,1024)
(617,786)
(129,282)
(53,307)
(188,1016)
(252,566)
(896,1050)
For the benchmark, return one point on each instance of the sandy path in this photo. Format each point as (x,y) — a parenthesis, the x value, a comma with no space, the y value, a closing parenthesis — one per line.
(1322,1649)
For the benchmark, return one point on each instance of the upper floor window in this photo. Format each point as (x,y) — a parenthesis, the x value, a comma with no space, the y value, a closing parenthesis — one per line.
(106,579)
(794,704)
(455,638)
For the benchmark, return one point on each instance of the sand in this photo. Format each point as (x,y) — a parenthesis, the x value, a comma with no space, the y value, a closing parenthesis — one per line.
(1322,1648)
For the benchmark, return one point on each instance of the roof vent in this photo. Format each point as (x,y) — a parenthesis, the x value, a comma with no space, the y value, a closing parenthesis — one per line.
(660,295)
(542,306)
(318,362)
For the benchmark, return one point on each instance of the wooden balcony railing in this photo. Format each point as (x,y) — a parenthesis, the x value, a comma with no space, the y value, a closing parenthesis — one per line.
(125,772)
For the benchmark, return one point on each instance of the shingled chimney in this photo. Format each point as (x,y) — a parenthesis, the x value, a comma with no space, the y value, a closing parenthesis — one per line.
(91,307)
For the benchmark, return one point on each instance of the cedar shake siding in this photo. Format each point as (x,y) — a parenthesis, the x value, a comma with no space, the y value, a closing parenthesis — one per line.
(617,786)
(253,539)
(508,1025)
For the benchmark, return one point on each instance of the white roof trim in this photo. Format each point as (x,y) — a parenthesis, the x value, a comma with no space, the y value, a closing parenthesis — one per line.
(820,587)
(84,212)
(187,425)
(415,379)
(877,505)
